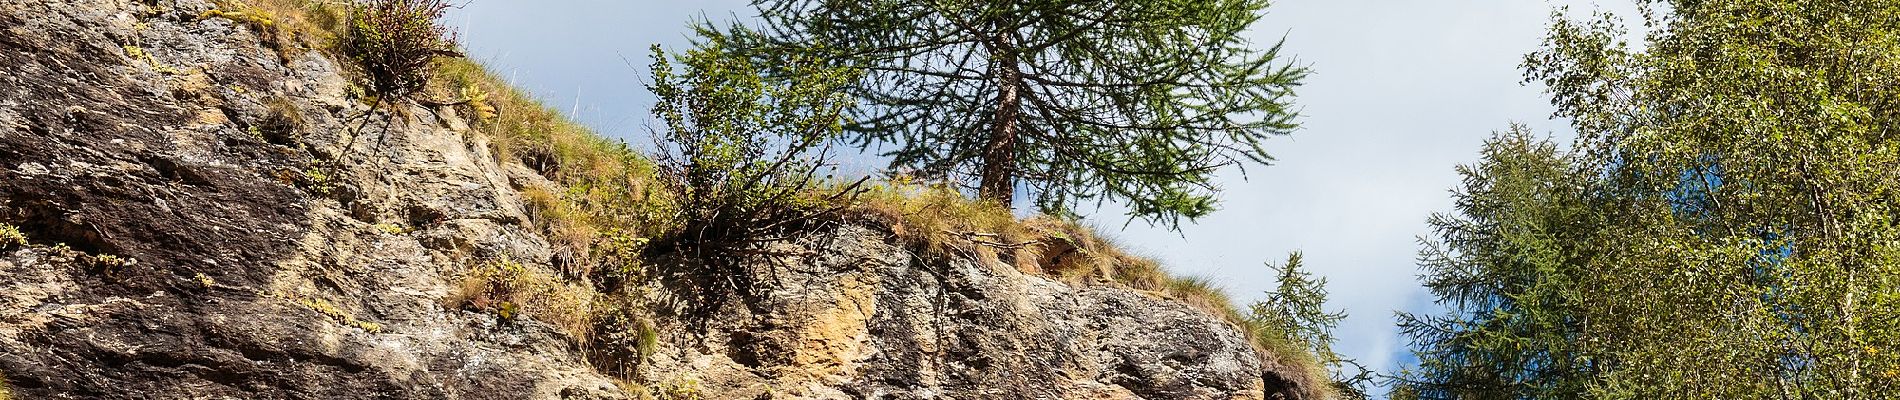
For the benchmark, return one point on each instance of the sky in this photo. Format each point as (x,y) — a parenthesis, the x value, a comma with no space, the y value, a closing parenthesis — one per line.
(1402,92)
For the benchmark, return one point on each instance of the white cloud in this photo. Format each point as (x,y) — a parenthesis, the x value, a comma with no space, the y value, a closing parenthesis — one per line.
(1403,91)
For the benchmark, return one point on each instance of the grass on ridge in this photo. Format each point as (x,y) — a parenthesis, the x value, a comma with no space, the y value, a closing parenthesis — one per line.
(939,222)
(605,201)
(608,190)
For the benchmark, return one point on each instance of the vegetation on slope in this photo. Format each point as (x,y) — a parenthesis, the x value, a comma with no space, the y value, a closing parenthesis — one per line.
(608,203)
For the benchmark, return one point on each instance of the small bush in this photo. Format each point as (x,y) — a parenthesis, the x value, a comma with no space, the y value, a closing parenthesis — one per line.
(677,389)
(10,237)
(111,266)
(392,228)
(284,124)
(744,153)
(394,43)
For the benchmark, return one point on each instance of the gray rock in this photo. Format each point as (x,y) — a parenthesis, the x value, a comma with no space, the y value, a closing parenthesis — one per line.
(135,129)
(249,284)
(844,313)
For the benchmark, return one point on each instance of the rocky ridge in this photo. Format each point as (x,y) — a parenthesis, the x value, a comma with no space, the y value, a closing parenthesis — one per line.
(205,250)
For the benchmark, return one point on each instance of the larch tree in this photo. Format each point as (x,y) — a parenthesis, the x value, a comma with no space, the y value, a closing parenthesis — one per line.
(1507,266)
(1728,226)
(1136,101)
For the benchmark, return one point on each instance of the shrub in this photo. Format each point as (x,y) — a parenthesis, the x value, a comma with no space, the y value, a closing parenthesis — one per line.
(111,266)
(10,236)
(394,43)
(743,152)
(284,124)
(673,389)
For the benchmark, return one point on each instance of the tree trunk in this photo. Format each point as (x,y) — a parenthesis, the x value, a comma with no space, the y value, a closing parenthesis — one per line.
(999,155)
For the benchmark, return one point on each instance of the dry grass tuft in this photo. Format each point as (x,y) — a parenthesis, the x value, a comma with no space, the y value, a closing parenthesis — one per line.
(511,290)
(288,26)
(940,222)
(604,185)
(670,389)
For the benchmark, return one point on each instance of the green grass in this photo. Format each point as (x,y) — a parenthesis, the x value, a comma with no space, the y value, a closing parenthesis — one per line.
(604,188)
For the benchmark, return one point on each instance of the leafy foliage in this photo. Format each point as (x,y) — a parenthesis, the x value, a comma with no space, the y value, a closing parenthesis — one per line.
(1135,101)
(1726,229)
(10,236)
(742,152)
(394,43)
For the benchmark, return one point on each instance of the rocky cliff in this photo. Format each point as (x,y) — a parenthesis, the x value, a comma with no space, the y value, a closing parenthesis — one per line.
(186,238)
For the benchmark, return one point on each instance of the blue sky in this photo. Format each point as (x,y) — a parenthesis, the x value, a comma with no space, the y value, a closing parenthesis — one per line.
(1403,91)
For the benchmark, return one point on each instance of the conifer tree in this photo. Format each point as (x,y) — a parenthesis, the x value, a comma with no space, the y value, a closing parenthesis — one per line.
(1137,101)
(1727,228)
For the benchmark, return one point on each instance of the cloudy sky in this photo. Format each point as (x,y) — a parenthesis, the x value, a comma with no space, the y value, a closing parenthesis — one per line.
(1403,91)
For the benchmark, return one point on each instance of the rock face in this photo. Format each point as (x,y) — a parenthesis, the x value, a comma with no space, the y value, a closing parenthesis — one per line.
(845,314)
(210,253)
(140,131)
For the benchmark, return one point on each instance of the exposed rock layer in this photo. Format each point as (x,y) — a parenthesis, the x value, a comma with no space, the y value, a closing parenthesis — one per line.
(848,315)
(142,131)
